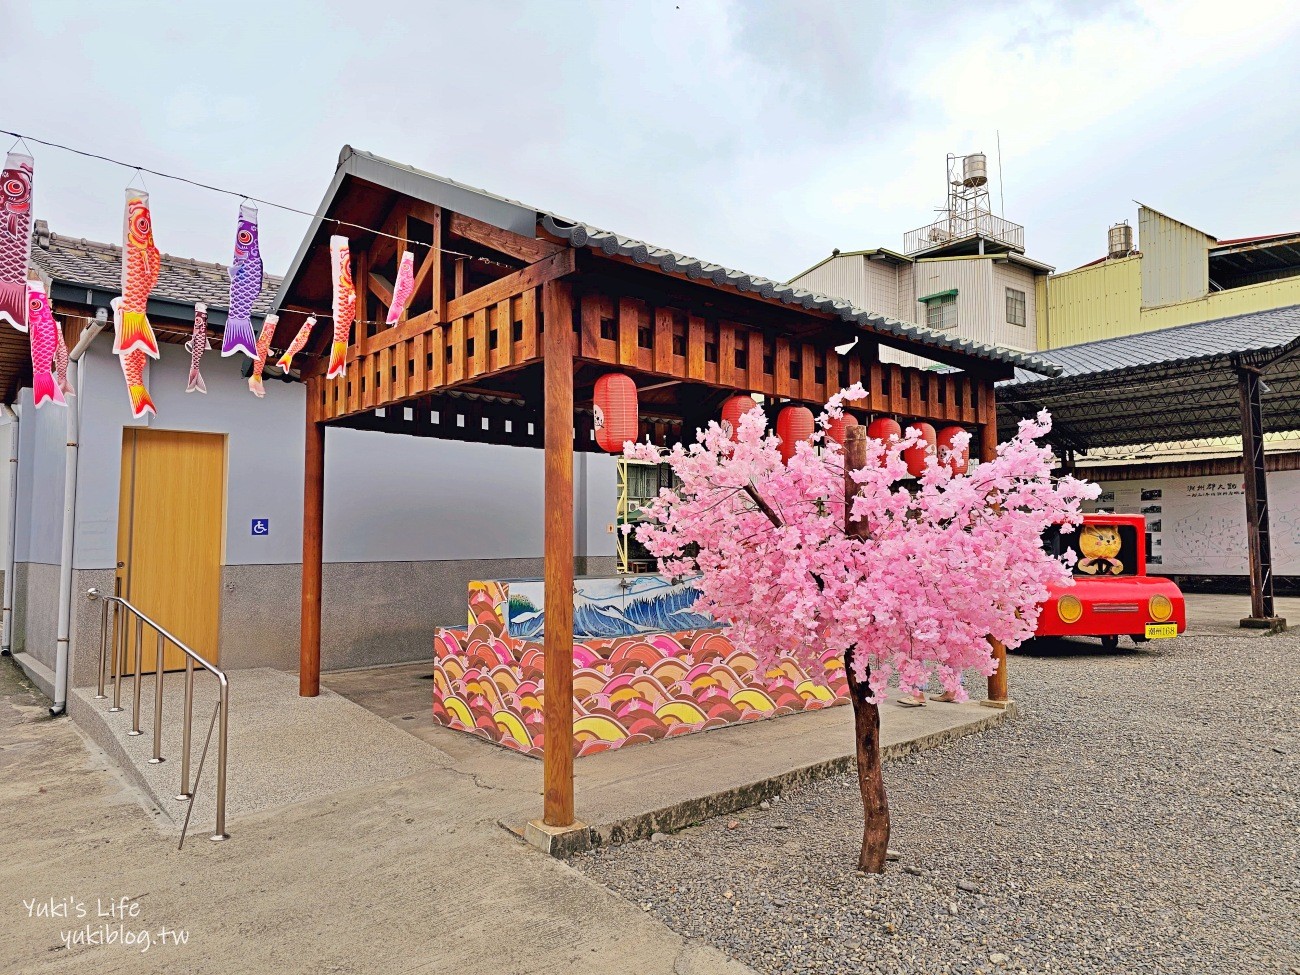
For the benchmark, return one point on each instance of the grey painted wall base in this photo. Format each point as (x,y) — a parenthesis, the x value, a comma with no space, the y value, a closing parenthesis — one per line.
(373,612)
(36,608)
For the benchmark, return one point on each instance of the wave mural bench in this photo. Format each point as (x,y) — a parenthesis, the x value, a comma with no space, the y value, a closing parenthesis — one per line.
(646,667)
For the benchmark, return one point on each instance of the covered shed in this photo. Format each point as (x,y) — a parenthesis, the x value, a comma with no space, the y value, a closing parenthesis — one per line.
(1237,376)
(518,311)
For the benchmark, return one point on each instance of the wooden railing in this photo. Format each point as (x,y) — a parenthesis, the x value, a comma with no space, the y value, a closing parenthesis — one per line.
(499,327)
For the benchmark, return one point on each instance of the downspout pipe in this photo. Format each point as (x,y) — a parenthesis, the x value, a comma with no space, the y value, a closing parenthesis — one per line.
(11,541)
(61,653)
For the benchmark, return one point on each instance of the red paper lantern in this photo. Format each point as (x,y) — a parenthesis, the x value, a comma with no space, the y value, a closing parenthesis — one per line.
(914,456)
(957,461)
(883,428)
(839,428)
(732,410)
(793,423)
(614,406)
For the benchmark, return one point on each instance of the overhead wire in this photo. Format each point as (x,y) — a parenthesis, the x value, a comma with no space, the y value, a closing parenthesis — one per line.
(138,170)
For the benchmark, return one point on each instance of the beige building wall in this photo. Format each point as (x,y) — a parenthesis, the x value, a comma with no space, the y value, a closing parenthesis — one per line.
(1175,259)
(1104,300)
(1022,337)
(843,276)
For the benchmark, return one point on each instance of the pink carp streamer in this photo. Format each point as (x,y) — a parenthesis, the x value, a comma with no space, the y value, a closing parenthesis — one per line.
(15,238)
(133,364)
(43,333)
(403,287)
(196,346)
(61,363)
(299,340)
(264,340)
(245,286)
(345,304)
(141,264)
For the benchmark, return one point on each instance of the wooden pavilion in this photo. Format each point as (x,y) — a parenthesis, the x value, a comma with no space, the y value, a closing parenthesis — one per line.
(518,311)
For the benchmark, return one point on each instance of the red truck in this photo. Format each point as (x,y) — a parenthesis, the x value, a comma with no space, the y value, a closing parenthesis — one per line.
(1112,595)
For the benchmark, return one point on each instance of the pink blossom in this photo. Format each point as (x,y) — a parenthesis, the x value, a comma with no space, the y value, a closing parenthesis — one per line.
(947,561)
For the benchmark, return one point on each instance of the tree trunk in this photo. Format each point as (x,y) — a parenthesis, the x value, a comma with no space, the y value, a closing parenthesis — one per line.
(875,804)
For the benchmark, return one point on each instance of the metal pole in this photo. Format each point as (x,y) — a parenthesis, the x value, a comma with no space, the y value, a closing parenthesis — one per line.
(103,648)
(119,653)
(157,705)
(185,729)
(221,833)
(1256,483)
(139,656)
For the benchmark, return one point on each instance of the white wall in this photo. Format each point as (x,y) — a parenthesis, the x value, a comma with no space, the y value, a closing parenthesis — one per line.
(41,447)
(6,437)
(387,497)
(1202,521)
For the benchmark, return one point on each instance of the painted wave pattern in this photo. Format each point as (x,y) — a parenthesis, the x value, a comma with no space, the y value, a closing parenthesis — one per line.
(626,690)
(650,613)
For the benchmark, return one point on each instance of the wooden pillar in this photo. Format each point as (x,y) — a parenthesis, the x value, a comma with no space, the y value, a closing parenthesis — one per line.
(1256,484)
(313,523)
(440,285)
(557,368)
(997,684)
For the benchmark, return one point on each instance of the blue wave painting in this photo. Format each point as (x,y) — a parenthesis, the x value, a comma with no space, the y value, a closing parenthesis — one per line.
(611,607)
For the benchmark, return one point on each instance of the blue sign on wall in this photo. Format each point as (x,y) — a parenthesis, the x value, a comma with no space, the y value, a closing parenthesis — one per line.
(261,526)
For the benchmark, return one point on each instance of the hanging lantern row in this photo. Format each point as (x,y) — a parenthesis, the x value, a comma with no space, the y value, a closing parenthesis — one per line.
(795,423)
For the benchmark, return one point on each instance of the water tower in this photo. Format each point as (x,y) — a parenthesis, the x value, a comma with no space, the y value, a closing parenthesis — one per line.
(969,214)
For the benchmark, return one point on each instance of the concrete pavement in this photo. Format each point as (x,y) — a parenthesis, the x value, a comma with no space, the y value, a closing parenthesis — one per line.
(631,793)
(406,876)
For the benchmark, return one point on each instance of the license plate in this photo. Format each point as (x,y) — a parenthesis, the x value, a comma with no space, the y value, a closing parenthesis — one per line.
(1161,631)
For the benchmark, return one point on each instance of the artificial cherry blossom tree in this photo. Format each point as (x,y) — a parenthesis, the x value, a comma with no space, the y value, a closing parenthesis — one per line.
(905,577)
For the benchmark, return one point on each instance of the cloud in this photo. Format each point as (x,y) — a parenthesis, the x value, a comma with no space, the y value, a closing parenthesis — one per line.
(755,134)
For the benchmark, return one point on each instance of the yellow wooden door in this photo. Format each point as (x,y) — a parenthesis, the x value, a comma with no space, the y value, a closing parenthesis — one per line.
(170,528)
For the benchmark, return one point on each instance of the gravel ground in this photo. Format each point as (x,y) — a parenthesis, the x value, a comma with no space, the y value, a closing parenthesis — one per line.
(1141,814)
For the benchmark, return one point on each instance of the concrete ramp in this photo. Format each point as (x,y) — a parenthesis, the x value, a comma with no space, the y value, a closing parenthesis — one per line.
(283,748)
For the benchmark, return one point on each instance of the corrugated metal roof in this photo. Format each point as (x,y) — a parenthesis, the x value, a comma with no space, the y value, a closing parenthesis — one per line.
(1255,240)
(1175,384)
(1240,335)
(504,212)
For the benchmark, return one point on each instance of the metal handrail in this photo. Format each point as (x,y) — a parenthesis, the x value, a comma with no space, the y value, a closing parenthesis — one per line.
(123,611)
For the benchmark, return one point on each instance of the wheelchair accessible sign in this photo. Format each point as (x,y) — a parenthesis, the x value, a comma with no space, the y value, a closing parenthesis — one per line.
(261,526)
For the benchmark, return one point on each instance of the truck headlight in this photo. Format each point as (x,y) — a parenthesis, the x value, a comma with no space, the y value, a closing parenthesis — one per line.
(1069,609)
(1160,607)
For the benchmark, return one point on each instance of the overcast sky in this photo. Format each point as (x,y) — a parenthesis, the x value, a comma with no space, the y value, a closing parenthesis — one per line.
(758,135)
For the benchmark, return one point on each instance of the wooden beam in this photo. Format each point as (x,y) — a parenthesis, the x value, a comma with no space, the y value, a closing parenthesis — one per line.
(313,525)
(521,248)
(557,359)
(382,288)
(547,269)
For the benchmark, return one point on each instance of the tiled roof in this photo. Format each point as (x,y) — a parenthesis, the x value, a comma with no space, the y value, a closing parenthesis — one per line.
(521,218)
(89,263)
(1240,335)
(585,235)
